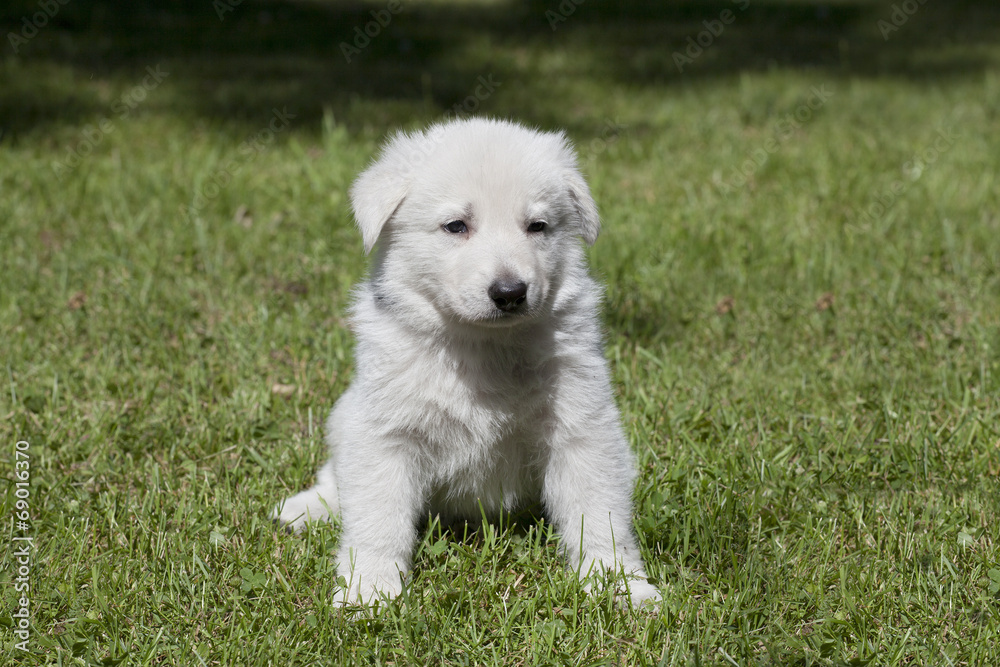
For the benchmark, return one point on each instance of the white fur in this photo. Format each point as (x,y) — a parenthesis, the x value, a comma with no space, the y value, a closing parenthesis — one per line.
(456,405)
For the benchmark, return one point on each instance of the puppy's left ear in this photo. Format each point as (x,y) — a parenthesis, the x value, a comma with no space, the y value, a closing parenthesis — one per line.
(381,188)
(584,206)
(581,200)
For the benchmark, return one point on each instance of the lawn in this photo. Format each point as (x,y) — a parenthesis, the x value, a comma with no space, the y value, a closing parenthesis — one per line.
(801,250)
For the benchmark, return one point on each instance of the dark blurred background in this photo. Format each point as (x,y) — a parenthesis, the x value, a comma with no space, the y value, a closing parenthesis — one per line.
(236,59)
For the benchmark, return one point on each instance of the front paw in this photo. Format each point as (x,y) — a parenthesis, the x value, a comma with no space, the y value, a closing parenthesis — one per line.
(628,585)
(295,512)
(642,593)
(368,588)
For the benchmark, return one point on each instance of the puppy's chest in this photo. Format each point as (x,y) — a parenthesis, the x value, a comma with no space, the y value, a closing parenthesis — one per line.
(485,438)
(496,402)
(475,405)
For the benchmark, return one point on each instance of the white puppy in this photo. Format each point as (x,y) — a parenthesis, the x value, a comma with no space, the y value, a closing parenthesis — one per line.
(480,383)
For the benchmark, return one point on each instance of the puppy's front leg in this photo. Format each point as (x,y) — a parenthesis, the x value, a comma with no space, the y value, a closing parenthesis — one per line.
(587,492)
(381,496)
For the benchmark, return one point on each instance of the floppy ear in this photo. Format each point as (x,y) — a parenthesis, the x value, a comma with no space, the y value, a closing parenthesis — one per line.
(584,206)
(579,192)
(379,190)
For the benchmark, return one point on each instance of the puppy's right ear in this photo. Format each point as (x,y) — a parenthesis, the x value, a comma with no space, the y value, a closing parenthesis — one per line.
(381,188)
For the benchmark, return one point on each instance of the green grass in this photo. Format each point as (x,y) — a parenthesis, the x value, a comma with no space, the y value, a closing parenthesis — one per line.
(812,392)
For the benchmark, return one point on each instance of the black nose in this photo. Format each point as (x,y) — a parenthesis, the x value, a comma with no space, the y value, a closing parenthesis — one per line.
(508,295)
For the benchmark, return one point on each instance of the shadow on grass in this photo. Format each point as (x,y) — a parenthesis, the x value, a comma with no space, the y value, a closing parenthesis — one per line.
(234,59)
(470,530)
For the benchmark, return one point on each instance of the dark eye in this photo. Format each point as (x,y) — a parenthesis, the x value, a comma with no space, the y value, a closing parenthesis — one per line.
(456,227)
(536,226)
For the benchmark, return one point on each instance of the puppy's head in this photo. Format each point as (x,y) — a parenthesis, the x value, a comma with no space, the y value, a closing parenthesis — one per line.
(476,220)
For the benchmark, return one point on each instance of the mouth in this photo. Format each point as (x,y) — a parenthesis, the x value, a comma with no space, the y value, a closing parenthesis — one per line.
(500,319)
(496,318)
(501,307)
